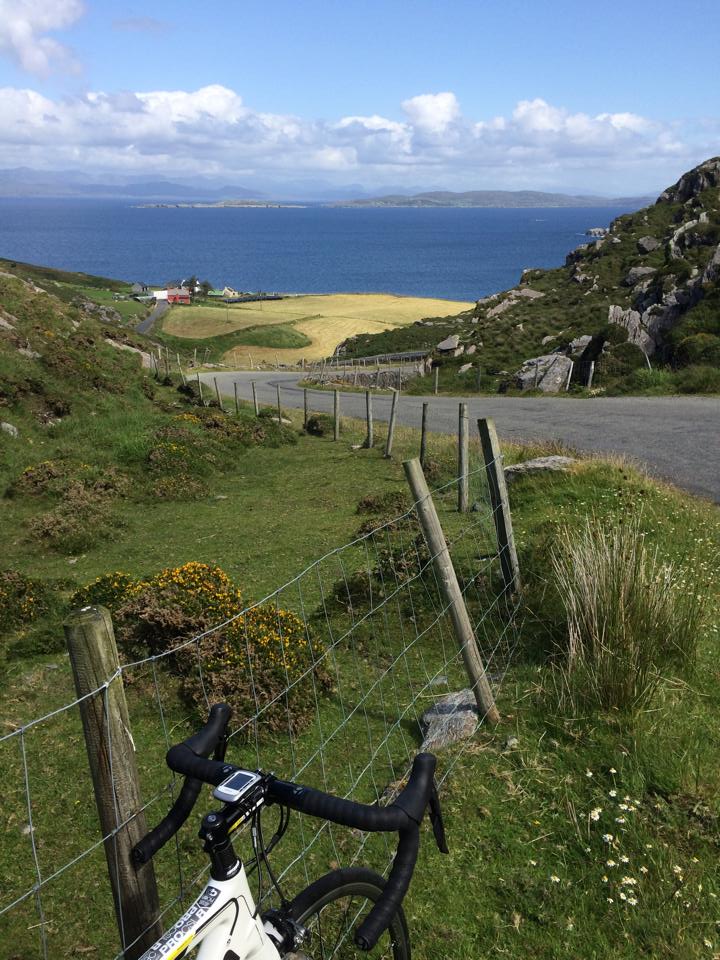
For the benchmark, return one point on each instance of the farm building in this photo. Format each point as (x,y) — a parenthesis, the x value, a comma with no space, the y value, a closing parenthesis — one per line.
(178,295)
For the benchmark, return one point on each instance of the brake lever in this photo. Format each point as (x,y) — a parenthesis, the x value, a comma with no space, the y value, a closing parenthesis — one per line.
(436,819)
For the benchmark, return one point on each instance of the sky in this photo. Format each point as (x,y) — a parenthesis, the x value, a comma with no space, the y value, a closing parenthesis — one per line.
(617,98)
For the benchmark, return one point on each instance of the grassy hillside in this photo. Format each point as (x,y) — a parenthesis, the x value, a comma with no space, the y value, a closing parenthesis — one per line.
(668,309)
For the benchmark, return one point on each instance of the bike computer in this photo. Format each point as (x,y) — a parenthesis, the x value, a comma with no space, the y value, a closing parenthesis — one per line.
(238,784)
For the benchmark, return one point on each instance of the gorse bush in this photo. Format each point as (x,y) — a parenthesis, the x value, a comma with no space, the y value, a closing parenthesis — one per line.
(630,617)
(261,660)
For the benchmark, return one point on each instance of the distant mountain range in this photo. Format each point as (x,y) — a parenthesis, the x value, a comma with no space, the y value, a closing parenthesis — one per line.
(494,198)
(72,184)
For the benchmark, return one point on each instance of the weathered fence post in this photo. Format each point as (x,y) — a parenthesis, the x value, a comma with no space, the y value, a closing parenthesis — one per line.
(369,440)
(591,374)
(111,753)
(305,408)
(500,504)
(199,383)
(237,402)
(423,435)
(391,426)
(445,572)
(255,399)
(477,378)
(463,458)
(336,414)
(182,375)
(277,387)
(437,376)
(217,394)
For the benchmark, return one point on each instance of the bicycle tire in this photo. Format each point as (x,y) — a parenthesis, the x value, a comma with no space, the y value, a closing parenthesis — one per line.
(356,885)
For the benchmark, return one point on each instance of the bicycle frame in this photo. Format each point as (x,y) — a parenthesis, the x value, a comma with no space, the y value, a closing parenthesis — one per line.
(222,921)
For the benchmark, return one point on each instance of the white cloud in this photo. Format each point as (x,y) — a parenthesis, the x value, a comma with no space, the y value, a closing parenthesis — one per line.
(24,25)
(211,131)
(432,112)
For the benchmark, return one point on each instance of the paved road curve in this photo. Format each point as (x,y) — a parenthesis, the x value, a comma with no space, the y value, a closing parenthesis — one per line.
(677,438)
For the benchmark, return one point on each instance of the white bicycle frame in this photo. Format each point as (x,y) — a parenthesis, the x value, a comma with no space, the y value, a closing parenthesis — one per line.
(222,918)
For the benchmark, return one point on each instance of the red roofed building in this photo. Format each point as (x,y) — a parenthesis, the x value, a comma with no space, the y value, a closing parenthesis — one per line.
(178,295)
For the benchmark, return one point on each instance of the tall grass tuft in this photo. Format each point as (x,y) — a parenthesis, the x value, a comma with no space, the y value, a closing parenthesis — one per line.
(630,617)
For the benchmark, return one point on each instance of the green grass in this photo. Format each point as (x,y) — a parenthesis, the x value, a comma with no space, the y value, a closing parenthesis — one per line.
(516,818)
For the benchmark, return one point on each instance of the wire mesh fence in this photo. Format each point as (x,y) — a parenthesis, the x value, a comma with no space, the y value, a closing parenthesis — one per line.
(330,677)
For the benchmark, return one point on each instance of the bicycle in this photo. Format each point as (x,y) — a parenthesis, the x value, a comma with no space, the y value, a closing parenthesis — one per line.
(224,922)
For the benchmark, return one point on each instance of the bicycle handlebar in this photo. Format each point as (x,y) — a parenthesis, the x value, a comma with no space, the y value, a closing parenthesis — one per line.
(404,815)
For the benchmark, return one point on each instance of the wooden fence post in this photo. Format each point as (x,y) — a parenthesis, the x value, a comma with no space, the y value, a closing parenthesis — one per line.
(437,376)
(500,504)
(463,458)
(217,394)
(391,426)
(423,435)
(237,402)
(199,383)
(478,378)
(305,408)
(369,440)
(182,375)
(445,573)
(111,753)
(277,387)
(336,414)
(255,399)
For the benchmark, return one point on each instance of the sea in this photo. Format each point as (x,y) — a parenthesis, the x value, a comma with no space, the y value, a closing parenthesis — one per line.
(458,254)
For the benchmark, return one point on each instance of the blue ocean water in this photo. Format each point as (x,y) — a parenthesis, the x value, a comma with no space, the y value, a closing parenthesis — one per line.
(460,254)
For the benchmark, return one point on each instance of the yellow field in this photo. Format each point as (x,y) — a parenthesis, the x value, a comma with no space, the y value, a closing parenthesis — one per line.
(326,320)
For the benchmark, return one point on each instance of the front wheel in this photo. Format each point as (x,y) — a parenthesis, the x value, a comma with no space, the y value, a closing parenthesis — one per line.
(331,908)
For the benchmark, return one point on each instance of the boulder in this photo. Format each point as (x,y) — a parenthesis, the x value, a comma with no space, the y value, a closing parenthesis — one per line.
(538,465)
(450,343)
(635,274)
(502,307)
(548,373)
(596,232)
(9,429)
(548,339)
(579,344)
(453,718)
(712,270)
(647,244)
(464,368)
(471,349)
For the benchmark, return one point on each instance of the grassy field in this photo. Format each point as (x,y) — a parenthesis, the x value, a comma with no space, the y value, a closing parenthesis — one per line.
(324,320)
(595,835)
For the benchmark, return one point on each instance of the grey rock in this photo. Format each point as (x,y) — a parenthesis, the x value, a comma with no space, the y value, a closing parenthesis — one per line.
(527,293)
(596,232)
(502,307)
(578,345)
(647,244)
(464,368)
(449,343)
(538,465)
(634,324)
(548,373)
(9,429)
(512,743)
(549,339)
(712,270)
(29,353)
(453,718)
(638,273)
(471,349)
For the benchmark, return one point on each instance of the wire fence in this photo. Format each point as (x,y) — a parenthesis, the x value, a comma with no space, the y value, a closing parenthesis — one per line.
(335,673)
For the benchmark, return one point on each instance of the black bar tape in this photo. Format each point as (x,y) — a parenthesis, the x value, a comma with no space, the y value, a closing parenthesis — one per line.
(395,888)
(146,848)
(345,812)
(182,759)
(204,741)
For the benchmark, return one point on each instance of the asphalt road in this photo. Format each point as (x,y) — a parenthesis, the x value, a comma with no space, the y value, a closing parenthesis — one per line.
(676,438)
(146,325)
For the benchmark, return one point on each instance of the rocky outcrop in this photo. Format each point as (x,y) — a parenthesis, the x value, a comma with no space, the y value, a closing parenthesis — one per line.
(449,344)
(690,184)
(596,232)
(538,465)
(549,373)
(635,274)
